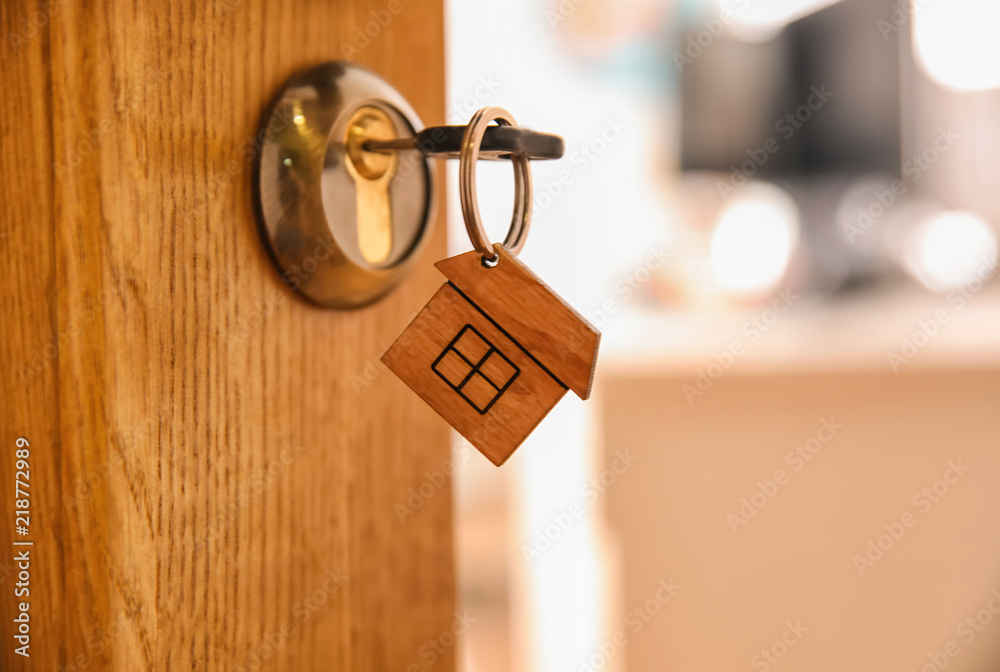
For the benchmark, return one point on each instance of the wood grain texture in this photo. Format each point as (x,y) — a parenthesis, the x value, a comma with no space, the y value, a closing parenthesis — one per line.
(536,317)
(473,374)
(215,463)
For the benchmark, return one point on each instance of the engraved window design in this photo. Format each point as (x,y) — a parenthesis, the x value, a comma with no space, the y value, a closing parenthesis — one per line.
(474,368)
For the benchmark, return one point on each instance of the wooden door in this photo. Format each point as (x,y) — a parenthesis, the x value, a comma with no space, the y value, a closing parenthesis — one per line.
(214,464)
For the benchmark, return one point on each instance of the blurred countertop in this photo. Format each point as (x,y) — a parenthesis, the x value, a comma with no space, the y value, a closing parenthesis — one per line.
(889,329)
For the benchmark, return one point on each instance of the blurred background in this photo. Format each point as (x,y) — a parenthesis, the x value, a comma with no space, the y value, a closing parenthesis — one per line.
(782,215)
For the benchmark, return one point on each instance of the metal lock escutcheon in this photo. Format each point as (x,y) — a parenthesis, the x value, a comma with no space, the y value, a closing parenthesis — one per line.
(342,224)
(343,185)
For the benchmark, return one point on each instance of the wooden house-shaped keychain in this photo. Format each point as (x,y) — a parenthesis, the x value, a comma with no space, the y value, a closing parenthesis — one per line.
(494,350)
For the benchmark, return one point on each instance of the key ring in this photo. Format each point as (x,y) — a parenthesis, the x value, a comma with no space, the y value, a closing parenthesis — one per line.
(469,155)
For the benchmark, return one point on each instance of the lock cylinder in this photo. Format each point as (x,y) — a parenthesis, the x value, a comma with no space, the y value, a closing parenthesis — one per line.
(372,172)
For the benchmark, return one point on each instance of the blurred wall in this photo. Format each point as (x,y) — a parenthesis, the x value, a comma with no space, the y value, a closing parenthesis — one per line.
(859,554)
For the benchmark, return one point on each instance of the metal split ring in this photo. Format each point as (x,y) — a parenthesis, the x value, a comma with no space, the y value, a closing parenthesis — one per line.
(468,156)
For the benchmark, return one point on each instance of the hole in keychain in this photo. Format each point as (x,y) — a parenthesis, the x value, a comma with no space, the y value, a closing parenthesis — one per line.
(468,157)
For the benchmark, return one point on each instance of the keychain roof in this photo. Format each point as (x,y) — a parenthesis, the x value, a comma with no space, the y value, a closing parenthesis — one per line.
(563,342)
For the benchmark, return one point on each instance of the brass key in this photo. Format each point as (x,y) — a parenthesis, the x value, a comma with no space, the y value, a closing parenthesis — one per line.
(372,172)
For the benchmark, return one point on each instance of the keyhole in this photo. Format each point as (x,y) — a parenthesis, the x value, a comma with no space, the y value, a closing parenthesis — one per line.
(372,172)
